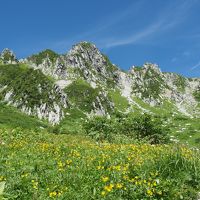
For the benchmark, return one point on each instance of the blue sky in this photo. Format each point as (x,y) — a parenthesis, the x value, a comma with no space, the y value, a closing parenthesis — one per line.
(130,32)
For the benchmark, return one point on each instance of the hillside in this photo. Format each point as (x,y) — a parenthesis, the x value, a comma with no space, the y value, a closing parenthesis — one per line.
(104,86)
(67,89)
(76,126)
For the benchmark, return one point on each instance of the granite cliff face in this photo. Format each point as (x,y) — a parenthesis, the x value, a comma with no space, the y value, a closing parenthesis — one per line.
(86,80)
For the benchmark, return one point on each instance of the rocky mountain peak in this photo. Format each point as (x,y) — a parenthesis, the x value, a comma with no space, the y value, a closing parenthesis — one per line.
(152,66)
(87,52)
(89,63)
(84,45)
(148,69)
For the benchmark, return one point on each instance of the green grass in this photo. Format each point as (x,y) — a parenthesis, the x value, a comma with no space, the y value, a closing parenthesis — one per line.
(121,103)
(38,166)
(186,130)
(72,123)
(183,129)
(10,117)
(82,96)
(165,109)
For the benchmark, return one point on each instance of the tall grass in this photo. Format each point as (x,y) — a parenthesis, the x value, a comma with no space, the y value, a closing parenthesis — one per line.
(46,166)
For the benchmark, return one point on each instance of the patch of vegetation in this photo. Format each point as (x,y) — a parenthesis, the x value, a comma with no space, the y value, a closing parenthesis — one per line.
(180,83)
(185,130)
(48,166)
(10,117)
(197,95)
(110,83)
(165,109)
(82,95)
(121,103)
(38,58)
(72,123)
(138,127)
(30,87)
(154,84)
(110,66)
(7,56)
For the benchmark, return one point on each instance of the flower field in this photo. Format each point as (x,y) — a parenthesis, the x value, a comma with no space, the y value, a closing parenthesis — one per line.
(40,166)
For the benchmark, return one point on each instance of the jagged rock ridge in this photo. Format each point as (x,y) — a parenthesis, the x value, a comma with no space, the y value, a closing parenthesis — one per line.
(104,86)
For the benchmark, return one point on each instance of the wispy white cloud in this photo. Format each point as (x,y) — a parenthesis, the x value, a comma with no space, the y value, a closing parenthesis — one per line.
(133,38)
(104,24)
(195,66)
(169,19)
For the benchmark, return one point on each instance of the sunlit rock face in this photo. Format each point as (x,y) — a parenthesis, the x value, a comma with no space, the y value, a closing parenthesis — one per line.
(84,63)
(146,82)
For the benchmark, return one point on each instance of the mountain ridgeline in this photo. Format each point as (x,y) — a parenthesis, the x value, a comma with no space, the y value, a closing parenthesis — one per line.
(50,86)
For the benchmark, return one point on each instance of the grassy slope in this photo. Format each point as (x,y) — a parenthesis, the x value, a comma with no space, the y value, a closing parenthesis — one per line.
(183,129)
(72,122)
(166,109)
(186,130)
(10,117)
(121,103)
(47,166)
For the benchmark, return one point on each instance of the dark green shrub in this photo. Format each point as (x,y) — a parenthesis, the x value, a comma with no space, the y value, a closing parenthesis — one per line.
(99,128)
(142,127)
(151,128)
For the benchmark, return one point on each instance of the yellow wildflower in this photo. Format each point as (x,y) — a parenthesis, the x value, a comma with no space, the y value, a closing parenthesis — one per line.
(60,164)
(118,167)
(154,184)
(149,192)
(103,193)
(119,185)
(35,184)
(68,162)
(52,194)
(105,179)
(109,188)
